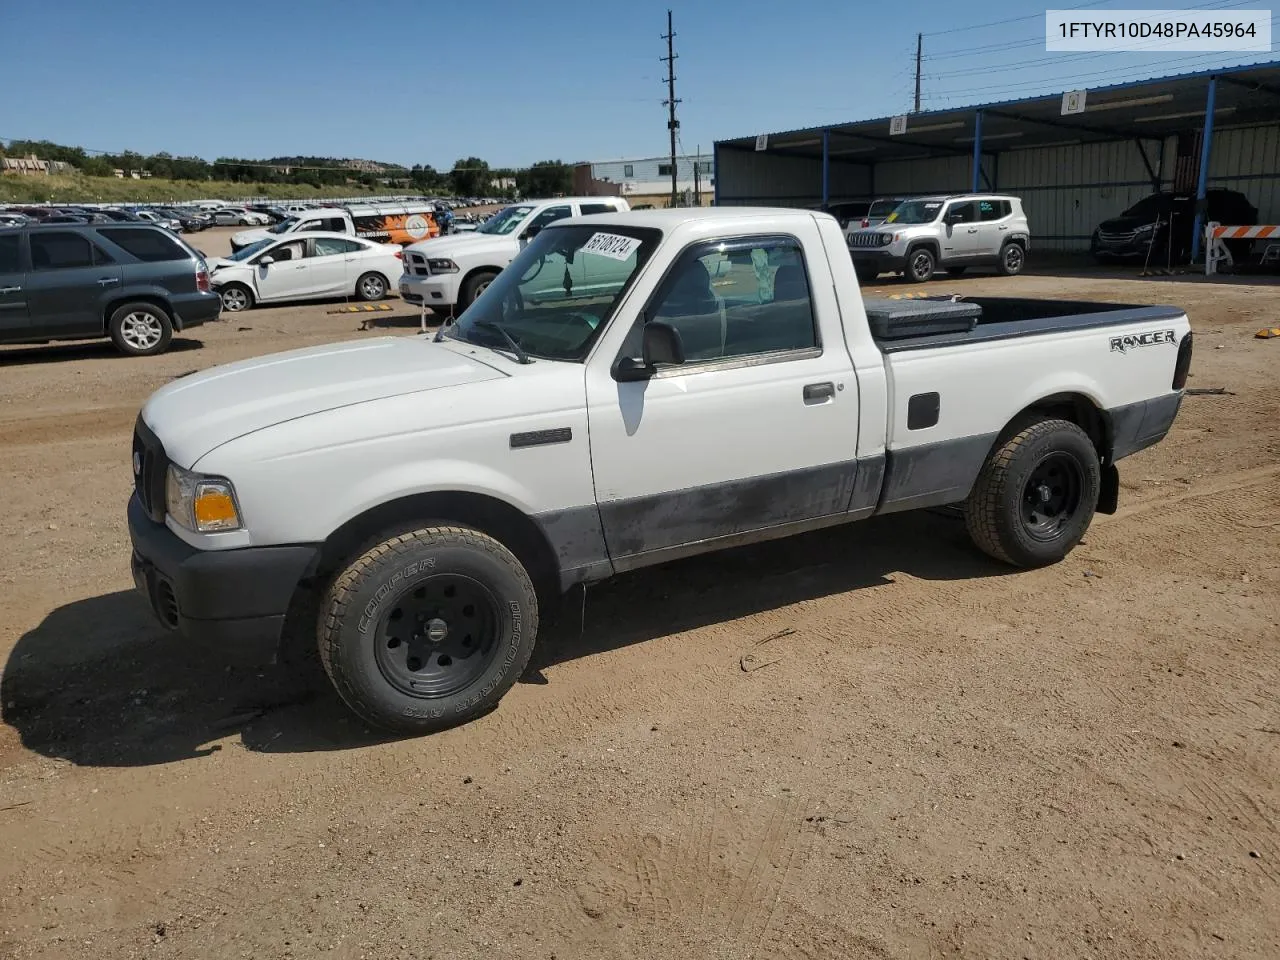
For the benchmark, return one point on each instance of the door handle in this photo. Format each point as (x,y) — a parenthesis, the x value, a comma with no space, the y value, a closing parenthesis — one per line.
(819,391)
(301,266)
(10,289)
(973,229)
(105,281)
(1003,227)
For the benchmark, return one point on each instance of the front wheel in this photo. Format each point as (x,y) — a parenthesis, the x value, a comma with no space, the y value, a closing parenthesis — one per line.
(476,284)
(428,629)
(372,286)
(1012,259)
(920,265)
(236,297)
(244,222)
(140,329)
(1036,494)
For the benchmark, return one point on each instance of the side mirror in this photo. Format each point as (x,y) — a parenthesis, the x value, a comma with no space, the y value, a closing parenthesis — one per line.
(660,343)
(532,231)
(266,261)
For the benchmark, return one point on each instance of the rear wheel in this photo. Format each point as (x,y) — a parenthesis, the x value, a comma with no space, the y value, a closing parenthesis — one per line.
(371,286)
(1012,259)
(428,629)
(1036,494)
(140,329)
(476,284)
(920,265)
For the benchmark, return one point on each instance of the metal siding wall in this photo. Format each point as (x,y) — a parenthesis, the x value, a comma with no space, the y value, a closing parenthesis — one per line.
(748,178)
(850,181)
(935,175)
(1067,191)
(1248,160)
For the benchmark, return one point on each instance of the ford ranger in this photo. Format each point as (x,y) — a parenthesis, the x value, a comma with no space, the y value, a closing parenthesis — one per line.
(414,504)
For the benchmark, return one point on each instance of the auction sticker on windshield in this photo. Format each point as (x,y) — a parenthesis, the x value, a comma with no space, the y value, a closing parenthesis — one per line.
(611,245)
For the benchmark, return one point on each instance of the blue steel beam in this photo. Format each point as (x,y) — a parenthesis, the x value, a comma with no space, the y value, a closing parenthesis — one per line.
(1206,142)
(977,150)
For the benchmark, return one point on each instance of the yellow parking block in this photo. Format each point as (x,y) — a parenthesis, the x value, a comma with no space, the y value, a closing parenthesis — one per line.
(1268,333)
(367,308)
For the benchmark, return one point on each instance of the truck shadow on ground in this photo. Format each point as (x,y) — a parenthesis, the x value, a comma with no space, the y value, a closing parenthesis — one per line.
(98,684)
(81,350)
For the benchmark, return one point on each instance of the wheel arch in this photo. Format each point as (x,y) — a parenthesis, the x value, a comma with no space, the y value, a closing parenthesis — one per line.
(467,277)
(150,297)
(1091,417)
(506,523)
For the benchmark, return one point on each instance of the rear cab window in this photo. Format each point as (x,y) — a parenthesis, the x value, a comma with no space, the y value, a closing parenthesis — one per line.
(150,246)
(589,208)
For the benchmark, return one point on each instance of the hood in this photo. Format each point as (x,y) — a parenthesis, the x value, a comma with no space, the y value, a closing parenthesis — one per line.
(197,413)
(471,242)
(246,237)
(1125,224)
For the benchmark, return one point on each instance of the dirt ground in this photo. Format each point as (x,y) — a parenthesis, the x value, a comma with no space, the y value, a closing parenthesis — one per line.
(927,755)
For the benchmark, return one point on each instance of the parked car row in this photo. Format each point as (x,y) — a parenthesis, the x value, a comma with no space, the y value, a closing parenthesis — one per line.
(177,220)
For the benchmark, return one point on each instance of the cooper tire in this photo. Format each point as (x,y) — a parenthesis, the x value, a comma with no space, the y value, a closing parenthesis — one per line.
(476,285)
(921,265)
(140,329)
(428,629)
(1035,495)
(1012,259)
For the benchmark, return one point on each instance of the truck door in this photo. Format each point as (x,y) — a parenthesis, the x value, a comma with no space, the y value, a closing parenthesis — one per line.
(70,282)
(756,429)
(13,279)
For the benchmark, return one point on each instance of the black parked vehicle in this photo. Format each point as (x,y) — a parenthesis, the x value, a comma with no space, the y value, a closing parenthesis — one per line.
(134,283)
(191,222)
(1163,223)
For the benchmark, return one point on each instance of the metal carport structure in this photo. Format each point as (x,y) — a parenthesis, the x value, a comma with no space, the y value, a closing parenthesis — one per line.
(1183,132)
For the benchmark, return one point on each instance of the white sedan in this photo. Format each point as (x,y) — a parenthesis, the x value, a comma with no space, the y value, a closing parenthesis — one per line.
(239,217)
(307,266)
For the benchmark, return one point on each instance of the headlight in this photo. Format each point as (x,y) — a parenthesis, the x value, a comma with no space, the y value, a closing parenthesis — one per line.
(1145,228)
(442,266)
(199,503)
(886,239)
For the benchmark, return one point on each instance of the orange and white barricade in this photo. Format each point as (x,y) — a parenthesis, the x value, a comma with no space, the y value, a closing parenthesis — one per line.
(1216,252)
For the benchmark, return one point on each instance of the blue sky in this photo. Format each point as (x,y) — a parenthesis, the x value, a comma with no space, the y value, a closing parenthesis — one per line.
(513,81)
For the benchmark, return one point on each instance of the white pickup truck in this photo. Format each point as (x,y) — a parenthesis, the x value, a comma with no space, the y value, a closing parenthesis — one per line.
(415,503)
(451,271)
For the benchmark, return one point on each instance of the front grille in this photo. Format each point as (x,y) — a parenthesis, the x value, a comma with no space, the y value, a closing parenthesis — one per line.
(149,467)
(865,240)
(416,264)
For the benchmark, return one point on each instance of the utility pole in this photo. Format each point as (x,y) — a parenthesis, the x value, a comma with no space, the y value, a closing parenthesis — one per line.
(670,103)
(919,48)
(697,178)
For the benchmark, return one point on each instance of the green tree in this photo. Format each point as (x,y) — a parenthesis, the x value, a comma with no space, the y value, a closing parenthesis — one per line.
(96,167)
(546,178)
(470,177)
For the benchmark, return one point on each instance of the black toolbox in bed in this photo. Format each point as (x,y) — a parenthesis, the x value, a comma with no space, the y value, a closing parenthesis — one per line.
(919,316)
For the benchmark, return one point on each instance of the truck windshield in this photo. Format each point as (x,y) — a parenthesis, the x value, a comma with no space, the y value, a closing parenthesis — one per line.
(284,226)
(915,211)
(505,221)
(558,294)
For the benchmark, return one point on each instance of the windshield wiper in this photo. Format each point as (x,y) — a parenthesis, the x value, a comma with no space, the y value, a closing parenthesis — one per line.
(515,347)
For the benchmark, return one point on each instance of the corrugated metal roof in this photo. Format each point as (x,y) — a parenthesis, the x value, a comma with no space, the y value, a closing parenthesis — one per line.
(1137,110)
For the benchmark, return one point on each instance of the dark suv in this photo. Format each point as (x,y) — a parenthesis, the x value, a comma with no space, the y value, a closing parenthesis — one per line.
(1159,226)
(132,282)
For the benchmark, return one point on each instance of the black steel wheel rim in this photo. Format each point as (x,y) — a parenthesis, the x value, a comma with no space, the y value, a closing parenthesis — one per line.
(1051,495)
(437,636)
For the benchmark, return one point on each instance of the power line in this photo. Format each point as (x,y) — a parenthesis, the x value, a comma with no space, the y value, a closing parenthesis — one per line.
(1000,23)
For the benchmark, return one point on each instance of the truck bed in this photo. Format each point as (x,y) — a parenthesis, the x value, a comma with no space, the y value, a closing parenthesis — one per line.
(1004,318)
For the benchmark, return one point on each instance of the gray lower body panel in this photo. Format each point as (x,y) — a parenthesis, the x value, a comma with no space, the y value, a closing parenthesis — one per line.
(1136,426)
(933,474)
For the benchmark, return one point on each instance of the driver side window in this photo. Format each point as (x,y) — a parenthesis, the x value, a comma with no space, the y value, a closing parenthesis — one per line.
(550,215)
(730,300)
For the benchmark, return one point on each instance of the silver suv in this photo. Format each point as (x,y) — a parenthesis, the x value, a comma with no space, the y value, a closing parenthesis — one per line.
(951,232)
